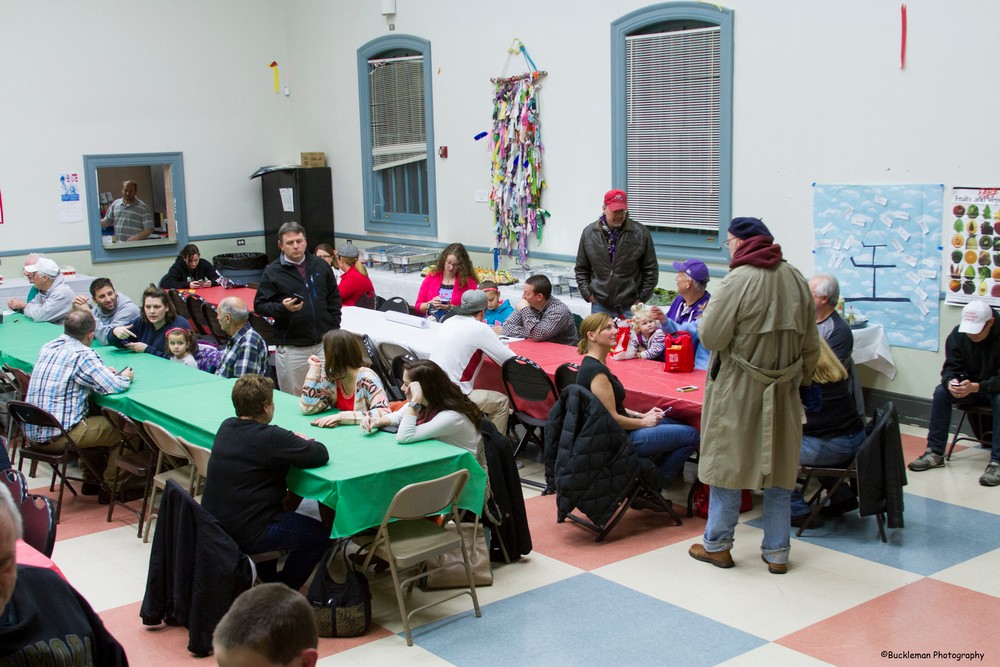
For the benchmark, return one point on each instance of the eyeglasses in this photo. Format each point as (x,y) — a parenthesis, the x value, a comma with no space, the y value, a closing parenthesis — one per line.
(730,241)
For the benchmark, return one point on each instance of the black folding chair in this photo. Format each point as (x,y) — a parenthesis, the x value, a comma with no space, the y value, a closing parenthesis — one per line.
(265,327)
(210,315)
(366,300)
(532,396)
(395,303)
(15,482)
(398,363)
(378,365)
(197,319)
(180,305)
(566,375)
(980,419)
(39,519)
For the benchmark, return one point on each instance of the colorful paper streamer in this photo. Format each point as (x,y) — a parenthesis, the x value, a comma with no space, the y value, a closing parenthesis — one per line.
(274,66)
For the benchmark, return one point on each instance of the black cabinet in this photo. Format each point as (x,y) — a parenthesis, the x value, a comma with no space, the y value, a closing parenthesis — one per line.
(310,191)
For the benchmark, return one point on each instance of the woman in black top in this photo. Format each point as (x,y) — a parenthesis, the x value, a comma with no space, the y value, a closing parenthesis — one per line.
(667,441)
(190,271)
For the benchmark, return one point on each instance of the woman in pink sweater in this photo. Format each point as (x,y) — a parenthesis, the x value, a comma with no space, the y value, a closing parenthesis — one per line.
(443,287)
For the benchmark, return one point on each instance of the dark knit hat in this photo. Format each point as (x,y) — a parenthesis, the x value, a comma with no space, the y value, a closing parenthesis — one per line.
(744,228)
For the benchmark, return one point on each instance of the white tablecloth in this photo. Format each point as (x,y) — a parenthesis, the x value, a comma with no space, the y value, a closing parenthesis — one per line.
(407,285)
(374,323)
(871,348)
(20,287)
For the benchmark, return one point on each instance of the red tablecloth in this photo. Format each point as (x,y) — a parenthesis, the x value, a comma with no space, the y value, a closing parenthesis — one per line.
(28,555)
(216,294)
(646,384)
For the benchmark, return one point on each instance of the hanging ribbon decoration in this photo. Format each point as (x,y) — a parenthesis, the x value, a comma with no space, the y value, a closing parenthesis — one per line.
(516,159)
(902,41)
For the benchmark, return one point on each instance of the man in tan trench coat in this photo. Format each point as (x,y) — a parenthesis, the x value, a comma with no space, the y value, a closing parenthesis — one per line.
(761,328)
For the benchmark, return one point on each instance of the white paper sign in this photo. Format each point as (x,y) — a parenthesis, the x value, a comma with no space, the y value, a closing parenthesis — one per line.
(287,200)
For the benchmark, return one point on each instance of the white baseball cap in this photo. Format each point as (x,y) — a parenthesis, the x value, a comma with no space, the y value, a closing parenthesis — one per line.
(43,265)
(975,315)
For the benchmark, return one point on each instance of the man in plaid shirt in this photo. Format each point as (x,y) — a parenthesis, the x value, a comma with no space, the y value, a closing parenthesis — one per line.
(246,351)
(66,374)
(541,316)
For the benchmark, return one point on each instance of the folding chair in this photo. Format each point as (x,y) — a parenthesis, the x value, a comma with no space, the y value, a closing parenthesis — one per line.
(395,303)
(199,458)
(15,482)
(197,319)
(180,305)
(168,467)
(38,517)
(392,390)
(398,363)
(980,418)
(21,381)
(532,396)
(265,327)
(210,315)
(26,414)
(566,375)
(390,351)
(406,539)
(366,300)
(139,464)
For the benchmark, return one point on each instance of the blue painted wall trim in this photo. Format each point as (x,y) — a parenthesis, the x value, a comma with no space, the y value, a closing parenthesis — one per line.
(366,52)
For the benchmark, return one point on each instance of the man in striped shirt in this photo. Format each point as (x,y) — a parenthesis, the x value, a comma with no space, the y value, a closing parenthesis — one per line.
(246,351)
(66,374)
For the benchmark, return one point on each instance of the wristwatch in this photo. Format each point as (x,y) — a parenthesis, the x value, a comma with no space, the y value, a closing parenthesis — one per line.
(415,406)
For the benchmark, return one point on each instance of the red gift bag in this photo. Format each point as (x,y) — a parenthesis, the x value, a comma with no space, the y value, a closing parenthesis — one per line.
(622,338)
(678,356)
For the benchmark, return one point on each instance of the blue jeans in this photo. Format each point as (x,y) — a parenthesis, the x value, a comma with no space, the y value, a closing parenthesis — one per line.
(670,443)
(837,451)
(305,537)
(940,424)
(598,308)
(724,513)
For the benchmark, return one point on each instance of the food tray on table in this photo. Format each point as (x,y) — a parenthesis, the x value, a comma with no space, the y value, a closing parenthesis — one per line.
(500,277)
(408,257)
(379,254)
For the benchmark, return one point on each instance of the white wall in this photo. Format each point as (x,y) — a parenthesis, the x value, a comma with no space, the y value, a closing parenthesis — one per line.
(819,97)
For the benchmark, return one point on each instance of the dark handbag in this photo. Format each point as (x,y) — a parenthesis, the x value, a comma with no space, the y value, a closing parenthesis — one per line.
(341,609)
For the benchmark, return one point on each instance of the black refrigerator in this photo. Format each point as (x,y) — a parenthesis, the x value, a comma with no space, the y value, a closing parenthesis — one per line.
(300,194)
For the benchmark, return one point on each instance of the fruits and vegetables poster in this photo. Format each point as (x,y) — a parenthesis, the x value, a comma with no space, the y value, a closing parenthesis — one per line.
(883,244)
(972,244)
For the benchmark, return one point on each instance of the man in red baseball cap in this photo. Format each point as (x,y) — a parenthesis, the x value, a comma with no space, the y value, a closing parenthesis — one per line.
(616,264)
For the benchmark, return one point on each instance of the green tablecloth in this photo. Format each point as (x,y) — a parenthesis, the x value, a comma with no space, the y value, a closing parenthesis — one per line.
(364,471)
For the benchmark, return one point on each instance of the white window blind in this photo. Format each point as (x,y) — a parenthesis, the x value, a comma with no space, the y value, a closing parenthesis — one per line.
(399,133)
(672,109)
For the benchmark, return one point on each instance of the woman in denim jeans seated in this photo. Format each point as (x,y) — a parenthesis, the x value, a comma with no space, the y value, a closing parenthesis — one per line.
(832,434)
(667,441)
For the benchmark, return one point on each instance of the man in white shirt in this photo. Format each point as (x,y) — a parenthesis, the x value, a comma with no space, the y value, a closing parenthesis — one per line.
(462,342)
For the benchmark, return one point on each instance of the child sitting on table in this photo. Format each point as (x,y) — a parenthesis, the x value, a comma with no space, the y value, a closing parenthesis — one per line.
(646,340)
(181,346)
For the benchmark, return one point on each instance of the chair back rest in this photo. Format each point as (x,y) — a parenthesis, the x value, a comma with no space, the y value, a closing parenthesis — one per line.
(32,415)
(197,318)
(382,370)
(425,498)
(38,514)
(366,300)
(180,305)
(211,316)
(566,375)
(396,303)
(265,327)
(199,455)
(365,357)
(165,441)
(390,351)
(15,482)
(127,429)
(530,390)
(21,380)
(398,363)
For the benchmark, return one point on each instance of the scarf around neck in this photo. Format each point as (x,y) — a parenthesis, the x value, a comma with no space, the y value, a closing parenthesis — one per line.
(759,251)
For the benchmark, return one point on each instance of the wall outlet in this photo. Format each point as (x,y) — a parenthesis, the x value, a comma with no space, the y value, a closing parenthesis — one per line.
(240,242)
(482,196)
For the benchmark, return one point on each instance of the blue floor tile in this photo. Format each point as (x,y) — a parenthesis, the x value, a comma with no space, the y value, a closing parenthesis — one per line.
(936,536)
(583,620)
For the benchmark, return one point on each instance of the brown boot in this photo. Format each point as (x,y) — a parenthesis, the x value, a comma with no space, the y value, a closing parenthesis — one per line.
(775,568)
(722,559)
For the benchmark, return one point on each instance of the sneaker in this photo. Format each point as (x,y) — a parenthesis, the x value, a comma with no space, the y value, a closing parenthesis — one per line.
(927,461)
(992,475)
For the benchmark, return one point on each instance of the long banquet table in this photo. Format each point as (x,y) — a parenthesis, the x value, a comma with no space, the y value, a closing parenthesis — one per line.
(359,481)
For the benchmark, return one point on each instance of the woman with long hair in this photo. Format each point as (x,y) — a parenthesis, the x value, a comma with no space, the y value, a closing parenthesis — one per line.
(833,433)
(190,271)
(446,282)
(666,441)
(147,333)
(436,409)
(342,382)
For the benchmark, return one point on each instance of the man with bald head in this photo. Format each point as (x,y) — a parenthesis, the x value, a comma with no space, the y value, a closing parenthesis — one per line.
(246,351)
(130,216)
(43,620)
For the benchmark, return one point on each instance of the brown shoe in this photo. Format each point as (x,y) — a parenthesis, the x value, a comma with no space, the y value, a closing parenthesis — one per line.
(775,568)
(722,559)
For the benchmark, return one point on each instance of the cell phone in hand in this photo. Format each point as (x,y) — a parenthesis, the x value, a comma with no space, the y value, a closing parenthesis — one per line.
(297,297)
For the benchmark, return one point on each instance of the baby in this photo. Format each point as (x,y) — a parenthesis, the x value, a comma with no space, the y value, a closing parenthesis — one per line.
(646,340)
(181,346)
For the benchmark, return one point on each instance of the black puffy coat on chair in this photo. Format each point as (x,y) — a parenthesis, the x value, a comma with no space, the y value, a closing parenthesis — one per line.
(589,460)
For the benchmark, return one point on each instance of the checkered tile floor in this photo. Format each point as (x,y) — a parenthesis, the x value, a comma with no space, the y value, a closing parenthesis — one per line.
(639,599)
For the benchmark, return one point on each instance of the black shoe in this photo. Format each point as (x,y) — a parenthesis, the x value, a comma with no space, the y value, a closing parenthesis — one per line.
(104,497)
(840,507)
(90,489)
(644,502)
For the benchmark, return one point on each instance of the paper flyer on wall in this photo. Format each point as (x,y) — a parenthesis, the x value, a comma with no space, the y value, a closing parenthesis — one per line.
(69,207)
(972,241)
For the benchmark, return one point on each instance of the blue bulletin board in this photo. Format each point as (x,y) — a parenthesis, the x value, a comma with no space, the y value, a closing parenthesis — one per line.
(883,244)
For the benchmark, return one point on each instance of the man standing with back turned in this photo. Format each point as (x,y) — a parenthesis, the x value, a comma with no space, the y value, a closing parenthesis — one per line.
(761,327)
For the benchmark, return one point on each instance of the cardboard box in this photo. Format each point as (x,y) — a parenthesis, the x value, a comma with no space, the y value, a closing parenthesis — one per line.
(313,159)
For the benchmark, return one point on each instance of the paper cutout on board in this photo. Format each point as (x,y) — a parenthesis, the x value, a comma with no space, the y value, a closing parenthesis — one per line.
(877,264)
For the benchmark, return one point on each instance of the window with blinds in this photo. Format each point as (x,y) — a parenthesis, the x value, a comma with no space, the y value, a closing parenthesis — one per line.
(672,120)
(398,137)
